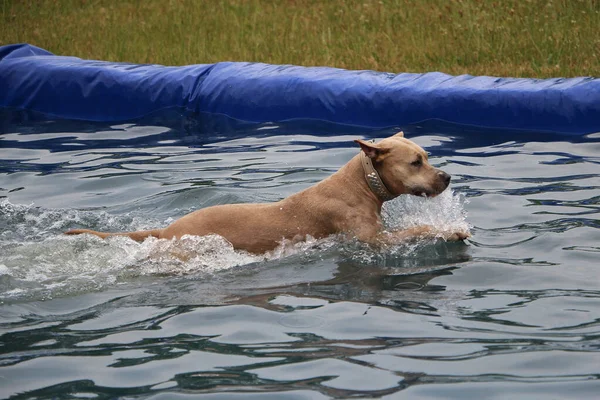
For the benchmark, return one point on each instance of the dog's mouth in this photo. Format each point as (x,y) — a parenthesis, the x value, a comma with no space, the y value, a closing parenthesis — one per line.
(433,190)
(420,192)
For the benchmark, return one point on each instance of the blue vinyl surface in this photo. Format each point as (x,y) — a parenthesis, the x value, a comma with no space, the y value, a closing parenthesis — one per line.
(71,88)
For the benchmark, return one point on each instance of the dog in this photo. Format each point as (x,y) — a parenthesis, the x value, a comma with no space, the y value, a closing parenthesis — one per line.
(348,202)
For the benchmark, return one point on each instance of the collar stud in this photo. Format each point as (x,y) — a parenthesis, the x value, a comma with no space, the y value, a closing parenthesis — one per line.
(374,180)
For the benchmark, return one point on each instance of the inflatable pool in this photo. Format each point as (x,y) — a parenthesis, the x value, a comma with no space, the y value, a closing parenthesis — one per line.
(71,88)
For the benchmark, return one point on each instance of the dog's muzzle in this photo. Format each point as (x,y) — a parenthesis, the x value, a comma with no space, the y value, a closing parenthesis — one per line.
(442,182)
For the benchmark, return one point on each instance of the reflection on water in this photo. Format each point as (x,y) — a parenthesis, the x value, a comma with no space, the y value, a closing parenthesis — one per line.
(513,313)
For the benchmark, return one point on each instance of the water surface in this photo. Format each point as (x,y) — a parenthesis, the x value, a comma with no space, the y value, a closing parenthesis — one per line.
(512,313)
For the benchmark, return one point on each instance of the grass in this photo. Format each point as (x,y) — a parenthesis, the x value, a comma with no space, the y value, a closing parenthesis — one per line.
(480,37)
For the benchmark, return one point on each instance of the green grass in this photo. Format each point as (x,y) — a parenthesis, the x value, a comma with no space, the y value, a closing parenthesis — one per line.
(479,37)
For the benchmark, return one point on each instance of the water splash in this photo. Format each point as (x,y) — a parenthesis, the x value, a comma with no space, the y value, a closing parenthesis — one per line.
(37,261)
(190,254)
(446,212)
(20,222)
(309,245)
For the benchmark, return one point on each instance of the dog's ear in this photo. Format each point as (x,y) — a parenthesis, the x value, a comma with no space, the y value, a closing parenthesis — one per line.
(399,134)
(372,150)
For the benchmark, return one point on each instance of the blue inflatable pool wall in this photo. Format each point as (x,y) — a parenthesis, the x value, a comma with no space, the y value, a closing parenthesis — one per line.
(70,88)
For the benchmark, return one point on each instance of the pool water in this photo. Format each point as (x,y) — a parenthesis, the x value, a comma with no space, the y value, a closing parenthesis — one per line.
(512,313)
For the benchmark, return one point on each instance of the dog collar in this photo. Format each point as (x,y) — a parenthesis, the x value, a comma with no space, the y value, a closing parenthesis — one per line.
(374,180)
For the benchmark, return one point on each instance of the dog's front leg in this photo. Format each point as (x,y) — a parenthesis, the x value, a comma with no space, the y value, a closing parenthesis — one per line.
(420,232)
(375,235)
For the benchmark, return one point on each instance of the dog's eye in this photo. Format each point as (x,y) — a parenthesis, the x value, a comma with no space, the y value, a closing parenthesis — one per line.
(416,163)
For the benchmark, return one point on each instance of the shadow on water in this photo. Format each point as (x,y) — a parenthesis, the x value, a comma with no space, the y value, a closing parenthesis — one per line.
(375,278)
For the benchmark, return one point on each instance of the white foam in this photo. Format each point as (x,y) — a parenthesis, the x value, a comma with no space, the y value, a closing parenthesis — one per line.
(4,270)
(190,254)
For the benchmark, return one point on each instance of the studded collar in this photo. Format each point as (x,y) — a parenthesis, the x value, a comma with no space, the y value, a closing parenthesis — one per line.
(374,180)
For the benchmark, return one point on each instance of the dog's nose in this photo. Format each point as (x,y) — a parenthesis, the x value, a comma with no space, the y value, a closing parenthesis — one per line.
(444,177)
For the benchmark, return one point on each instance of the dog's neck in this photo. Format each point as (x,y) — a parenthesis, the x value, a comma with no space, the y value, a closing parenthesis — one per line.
(374,180)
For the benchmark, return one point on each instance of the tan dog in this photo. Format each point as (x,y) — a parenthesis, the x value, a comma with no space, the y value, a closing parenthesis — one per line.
(347,202)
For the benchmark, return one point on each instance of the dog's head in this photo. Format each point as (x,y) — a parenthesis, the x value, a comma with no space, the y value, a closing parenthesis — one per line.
(404,167)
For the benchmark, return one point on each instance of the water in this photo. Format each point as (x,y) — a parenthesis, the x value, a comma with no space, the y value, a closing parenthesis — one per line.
(513,313)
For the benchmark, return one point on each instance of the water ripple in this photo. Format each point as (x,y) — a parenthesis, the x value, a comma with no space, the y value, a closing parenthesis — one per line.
(513,312)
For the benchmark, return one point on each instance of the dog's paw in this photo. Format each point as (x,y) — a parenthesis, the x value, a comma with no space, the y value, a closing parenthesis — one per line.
(427,231)
(422,232)
(457,236)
